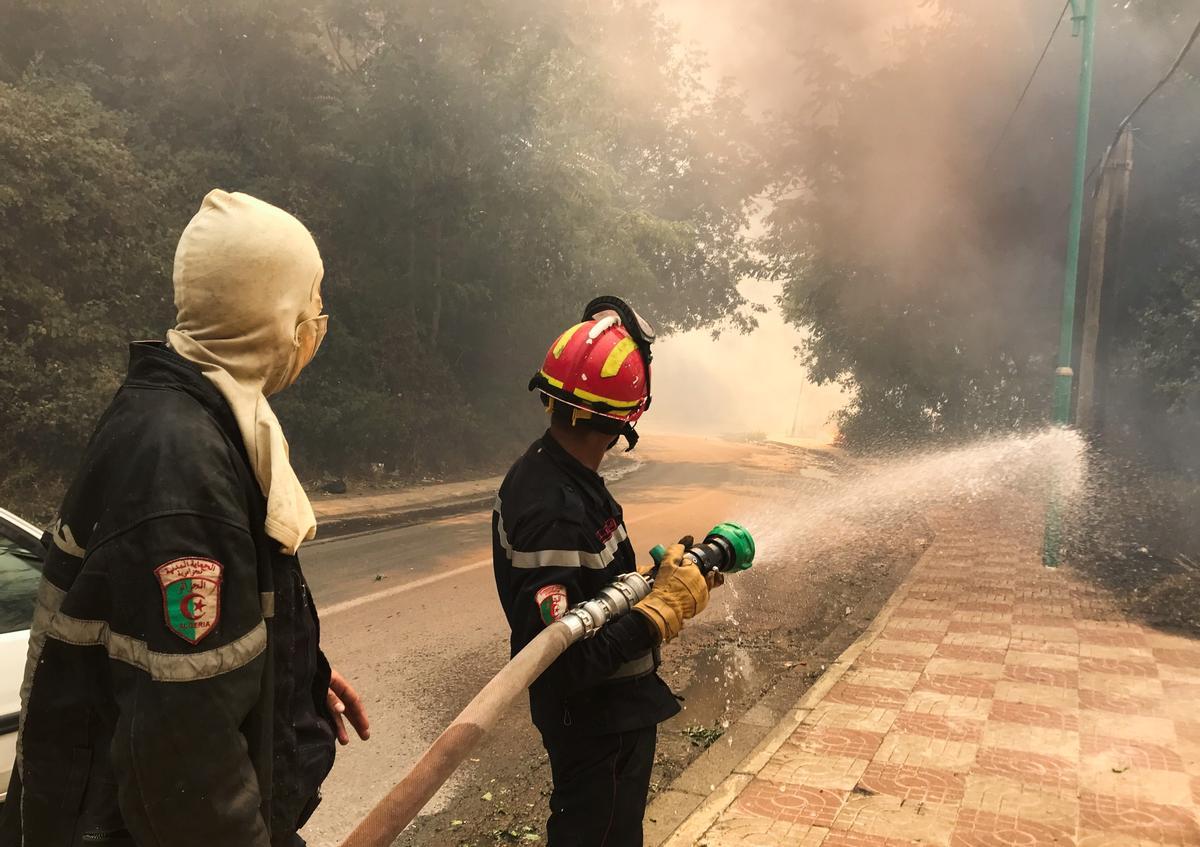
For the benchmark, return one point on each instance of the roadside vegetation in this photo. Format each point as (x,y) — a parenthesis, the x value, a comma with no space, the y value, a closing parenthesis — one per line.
(474,169)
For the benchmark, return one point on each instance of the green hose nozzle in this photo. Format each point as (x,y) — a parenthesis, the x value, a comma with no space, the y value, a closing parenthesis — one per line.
(728,548)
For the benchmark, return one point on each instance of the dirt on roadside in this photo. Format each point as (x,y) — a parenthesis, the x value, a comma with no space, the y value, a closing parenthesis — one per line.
(790,617)
(1135,535)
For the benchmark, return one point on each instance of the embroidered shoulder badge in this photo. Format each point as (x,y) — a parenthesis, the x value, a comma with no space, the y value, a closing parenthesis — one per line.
(191,590)
(552,603)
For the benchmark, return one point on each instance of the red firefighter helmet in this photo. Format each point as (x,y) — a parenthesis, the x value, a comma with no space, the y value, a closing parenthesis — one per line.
(601,365)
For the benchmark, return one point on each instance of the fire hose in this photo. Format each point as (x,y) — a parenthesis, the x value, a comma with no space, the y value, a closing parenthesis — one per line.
(727,548)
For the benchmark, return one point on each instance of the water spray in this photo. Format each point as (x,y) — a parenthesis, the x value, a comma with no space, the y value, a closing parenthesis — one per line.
(727,548)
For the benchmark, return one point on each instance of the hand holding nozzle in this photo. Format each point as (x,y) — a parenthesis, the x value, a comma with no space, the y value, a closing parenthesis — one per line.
(680,592)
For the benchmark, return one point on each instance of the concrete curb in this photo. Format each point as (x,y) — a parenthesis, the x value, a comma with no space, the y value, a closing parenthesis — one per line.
(679,816)
(448,507)
(332,528)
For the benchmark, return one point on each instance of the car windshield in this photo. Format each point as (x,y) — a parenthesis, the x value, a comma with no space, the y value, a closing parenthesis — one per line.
(20,573)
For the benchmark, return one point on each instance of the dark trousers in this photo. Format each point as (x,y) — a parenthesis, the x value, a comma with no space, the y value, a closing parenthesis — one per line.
(600,787)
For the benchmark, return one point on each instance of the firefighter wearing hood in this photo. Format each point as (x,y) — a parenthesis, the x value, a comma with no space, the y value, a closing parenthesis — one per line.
(175,693)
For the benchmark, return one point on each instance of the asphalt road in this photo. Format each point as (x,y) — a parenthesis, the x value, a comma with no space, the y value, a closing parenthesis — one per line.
(410,615)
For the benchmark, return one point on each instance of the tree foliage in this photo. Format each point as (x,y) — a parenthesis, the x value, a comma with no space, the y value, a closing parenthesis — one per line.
(924,252)
(473,172)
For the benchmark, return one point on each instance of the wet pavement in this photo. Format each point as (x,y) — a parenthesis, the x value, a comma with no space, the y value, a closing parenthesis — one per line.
(410,616)
(993,702)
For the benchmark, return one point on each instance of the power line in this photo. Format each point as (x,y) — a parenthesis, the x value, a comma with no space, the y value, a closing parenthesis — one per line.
(1157,87)
(1028,84)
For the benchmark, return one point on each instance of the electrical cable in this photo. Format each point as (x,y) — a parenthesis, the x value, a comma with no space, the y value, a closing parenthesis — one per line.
(1028,84)
(1158,87)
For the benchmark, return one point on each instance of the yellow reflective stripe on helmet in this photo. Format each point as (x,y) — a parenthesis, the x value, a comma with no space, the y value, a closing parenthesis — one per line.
(596,398)
(617,356)
(557,383)
(563,340)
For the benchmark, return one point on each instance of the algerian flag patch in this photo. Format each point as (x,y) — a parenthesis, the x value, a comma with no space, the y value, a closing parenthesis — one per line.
(191,590)
(551,602)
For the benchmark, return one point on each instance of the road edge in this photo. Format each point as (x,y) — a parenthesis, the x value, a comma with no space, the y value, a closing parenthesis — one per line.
(683,812)
(382,519)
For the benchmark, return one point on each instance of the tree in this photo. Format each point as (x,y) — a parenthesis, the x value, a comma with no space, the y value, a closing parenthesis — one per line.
(925,258)
(80,239)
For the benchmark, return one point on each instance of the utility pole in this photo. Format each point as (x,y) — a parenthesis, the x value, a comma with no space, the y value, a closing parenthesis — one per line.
(1108,214)
(1063,375)
(796,411)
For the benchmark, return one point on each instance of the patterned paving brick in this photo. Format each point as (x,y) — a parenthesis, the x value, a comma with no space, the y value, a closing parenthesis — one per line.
(985,829)
(1008,797)
(843,838)
(1140,754)
(1052,771)
(922,751)
(970,653)
(865,695)
(907,633)
(1184,658)
(1003,630)
(1102,651)
(1188,692)
(1187,730)
(738,829)
(1140,818)
(1037,695)
(1113,639)
(886,816)
(914,784)
(907,648)
(868,718)
(790,803)
(948,705)
(835,741)
(793,766)
(938,726)
(1134,686)
(1111,776)
(1142,728)
(965,686)
(891,661)
(1002,703)
(1042,659)
(1034,715)
(1044,633)
(1046,648)
(1117,703)
(881,677)
(1120,667)
(1042,676)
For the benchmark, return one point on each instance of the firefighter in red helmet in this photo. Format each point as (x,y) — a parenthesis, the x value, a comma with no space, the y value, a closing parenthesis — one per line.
(558,537)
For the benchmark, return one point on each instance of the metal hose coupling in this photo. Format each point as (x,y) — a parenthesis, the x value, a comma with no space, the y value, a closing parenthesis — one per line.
(615,599)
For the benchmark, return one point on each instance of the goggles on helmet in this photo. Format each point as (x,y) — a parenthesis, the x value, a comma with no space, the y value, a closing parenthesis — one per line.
(640,329)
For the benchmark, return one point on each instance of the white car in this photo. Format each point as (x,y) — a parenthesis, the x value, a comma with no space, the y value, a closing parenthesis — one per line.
(21,552)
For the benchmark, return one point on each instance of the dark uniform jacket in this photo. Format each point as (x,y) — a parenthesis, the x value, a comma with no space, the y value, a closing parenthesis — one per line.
(175,689)
(558,537)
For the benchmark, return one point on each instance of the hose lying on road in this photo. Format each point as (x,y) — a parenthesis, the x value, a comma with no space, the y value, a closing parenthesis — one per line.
(397,809)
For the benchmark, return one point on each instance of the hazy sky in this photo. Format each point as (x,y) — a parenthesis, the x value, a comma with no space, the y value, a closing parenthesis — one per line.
(740,383)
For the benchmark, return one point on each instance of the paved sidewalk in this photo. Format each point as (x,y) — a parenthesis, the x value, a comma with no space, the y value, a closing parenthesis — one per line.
(993,702)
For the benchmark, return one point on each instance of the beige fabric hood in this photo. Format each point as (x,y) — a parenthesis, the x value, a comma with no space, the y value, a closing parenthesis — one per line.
(247,290)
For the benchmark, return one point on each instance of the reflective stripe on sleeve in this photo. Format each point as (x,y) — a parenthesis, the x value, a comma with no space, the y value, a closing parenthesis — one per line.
(162,667)
(64,540)
(49,601)
(558,558)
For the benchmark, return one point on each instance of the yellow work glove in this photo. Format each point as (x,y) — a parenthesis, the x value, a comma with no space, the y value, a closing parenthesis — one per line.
(680,592)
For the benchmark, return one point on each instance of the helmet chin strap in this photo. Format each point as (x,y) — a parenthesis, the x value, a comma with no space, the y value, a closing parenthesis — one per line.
(631,437)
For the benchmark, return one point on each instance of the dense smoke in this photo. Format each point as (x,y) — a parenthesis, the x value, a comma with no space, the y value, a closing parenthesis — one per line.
(918,233)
